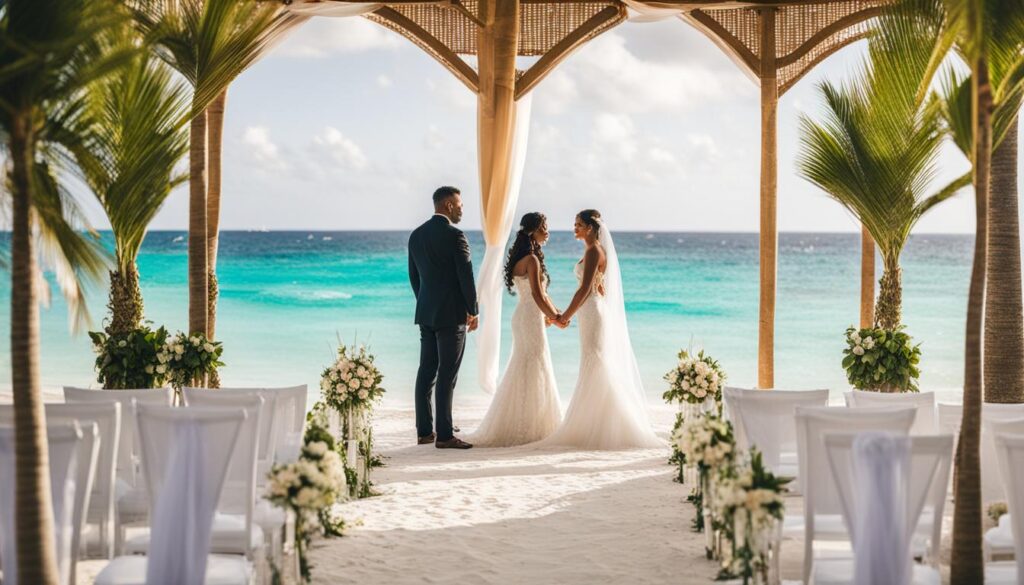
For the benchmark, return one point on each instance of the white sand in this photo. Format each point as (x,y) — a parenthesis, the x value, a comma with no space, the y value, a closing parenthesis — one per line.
(516,515)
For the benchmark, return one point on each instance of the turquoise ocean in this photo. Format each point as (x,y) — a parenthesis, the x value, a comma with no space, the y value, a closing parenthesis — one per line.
(288,298)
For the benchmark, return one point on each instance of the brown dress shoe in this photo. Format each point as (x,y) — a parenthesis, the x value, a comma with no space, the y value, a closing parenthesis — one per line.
(426,440)
(453,443)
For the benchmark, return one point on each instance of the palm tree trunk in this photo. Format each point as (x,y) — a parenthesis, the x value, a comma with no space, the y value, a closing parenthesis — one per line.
(198,290)
(1004,310)
(215,146)
(37,560)
(867,279)
(125,300)
(967,565)
(890,295)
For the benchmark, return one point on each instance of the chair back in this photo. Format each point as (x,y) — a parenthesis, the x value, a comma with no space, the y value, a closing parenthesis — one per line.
(238,495)
(767,419)
(293,409)
(64,445)
(884,482)
(1010,455)
(925,423)
(127,451)
(272,422)
(816,484)
(950,417)
(186,453)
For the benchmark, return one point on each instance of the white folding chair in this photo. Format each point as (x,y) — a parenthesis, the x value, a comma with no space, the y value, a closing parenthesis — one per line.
(73,449)
(822,517)
(1010,456)
(130,496)
(186,453)
(768,423)
(949,422)
(883,483)
(100,511)
(926,421)
(999,539)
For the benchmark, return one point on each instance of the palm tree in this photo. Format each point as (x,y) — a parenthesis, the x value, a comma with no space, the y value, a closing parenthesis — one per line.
(1004,311)
(142,136)
(876,149)
(210,42)
(49,54)
(980,29)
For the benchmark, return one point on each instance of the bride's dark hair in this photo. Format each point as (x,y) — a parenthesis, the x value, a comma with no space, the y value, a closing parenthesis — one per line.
(524,246)
(590,217)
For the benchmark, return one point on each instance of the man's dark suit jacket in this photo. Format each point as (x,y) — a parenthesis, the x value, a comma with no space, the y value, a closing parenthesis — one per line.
(441,274)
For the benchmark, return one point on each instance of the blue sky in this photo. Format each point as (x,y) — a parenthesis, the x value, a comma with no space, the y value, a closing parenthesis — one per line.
(346,125)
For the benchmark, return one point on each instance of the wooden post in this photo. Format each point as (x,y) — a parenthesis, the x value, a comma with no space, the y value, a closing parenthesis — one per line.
(867,279)
(769,193)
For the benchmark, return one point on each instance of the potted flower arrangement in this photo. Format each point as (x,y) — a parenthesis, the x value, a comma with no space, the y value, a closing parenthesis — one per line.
(881,360)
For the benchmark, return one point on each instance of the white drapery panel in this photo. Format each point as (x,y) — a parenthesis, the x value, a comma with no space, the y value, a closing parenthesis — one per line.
(501,204)
(881,539)
(342,9)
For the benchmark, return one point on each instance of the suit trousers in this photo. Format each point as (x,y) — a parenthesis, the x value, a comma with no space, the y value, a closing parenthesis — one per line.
(441,350)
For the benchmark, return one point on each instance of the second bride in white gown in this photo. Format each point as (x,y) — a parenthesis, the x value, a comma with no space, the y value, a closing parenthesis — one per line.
(525,407)
(608,408)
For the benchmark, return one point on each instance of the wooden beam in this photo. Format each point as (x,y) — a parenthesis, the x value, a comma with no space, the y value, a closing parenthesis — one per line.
(439,50)
(565,47)
(769,237)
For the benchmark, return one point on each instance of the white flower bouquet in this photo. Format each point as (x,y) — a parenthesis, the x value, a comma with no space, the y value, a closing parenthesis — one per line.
(352,381)
(312,483)
(187,359)
(695,379)
(706,442)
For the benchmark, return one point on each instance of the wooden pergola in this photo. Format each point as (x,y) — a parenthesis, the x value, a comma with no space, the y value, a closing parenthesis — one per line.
(776,42)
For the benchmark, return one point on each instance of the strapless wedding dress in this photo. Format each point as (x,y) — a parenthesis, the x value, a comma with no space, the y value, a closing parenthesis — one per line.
(525,407)
(602,414)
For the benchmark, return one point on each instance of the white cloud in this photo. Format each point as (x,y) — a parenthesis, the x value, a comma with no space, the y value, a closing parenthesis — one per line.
(341,149)
(556,93)
(384,81)
(434,140)
(660,155)
(618,132)
(452,91)
(323,37)
(262,148)
(703,144)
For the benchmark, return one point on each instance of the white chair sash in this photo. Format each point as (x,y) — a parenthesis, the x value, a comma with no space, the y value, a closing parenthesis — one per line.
(881,539)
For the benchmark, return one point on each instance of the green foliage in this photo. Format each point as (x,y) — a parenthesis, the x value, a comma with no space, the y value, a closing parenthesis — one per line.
(880,359)
(190,358)
(129,361)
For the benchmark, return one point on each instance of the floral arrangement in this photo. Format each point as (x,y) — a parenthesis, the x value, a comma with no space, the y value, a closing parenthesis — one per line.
(129,361)
(188,359)
(748,507)
(350,387)
(996,510)
(708,443)
(882,360)
(309,487)
(695,379)
(352,381)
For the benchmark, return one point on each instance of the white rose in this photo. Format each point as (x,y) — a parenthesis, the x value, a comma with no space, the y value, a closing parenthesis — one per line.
(306,497)
(161,369)
(122,343)
(367,383)
(316,448)
(868,343)
(858,350)
(208,347)
(855,337)
(353,383)
(194,340)
(363,394)
(340,387)
(361,371)
(179,349)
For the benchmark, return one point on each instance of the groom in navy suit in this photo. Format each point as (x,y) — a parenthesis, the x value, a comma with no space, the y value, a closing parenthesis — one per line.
(441,274)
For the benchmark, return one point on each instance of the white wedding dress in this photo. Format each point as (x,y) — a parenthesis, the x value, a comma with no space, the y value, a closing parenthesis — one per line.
(525,408)
(608,409)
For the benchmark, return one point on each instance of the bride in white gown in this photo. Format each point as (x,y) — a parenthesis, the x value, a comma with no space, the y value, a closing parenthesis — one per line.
(525,407)
(608,408)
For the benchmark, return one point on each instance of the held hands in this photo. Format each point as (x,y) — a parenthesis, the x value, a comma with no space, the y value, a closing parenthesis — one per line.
(472,322)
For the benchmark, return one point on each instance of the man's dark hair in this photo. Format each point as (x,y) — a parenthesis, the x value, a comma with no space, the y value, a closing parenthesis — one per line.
(443,193)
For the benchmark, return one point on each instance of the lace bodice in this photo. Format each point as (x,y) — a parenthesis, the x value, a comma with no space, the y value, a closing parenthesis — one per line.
(598,278)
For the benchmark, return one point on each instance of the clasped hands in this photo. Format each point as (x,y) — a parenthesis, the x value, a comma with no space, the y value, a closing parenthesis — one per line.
(560,321)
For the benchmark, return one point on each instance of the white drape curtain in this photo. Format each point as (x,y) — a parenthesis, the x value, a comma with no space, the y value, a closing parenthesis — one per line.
(881,539)
(490,282)
(640,12)
(332,8)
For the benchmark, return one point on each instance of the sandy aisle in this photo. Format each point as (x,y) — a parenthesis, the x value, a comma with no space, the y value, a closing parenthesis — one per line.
(515,516)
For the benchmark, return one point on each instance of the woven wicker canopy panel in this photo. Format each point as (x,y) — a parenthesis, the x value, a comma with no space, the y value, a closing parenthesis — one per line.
(805,33)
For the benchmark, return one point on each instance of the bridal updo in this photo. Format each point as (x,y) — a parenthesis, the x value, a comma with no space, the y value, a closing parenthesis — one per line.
(591,218)
(524,245)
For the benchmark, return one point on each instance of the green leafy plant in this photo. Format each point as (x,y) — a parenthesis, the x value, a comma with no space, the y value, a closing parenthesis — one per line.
(881,359)
(129,360)
(189,359)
